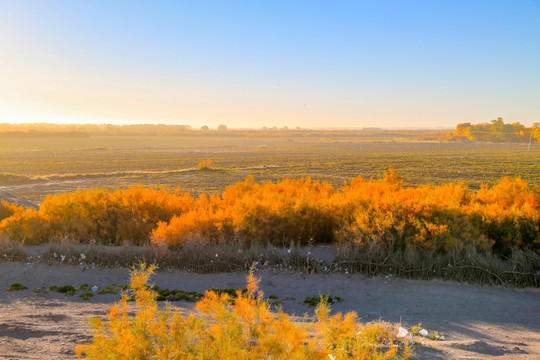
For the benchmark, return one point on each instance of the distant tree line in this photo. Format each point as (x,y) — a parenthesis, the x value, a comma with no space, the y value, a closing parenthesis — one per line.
(498,131)
(85,130)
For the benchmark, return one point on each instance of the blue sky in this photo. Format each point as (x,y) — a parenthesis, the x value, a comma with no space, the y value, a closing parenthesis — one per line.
(270,63)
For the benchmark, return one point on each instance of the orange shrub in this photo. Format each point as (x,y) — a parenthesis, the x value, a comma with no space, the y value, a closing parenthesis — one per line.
(207,221)
(380,212)
(508,213)
(291,210)
(243,329)
(8,209)
(442,217)
(26,226)
(205,164)
(98,215)
(137,211)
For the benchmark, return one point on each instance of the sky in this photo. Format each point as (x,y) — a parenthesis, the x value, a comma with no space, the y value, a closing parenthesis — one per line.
(312,64)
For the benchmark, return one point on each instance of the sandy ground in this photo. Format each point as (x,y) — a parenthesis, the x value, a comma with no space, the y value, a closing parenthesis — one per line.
(479,322)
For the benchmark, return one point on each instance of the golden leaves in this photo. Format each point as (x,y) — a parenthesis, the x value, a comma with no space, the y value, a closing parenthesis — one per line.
(244,329)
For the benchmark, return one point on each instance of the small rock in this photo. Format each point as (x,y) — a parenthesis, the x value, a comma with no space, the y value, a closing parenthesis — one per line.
(402,332)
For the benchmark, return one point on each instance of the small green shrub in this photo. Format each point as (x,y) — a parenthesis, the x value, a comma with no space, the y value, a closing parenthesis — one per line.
(176,295)
(16,287)
(67,290)
(86,295)
(109,289)
(313,301)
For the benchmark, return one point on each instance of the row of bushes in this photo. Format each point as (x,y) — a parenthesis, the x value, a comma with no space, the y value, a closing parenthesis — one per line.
(99,215)
(381,212)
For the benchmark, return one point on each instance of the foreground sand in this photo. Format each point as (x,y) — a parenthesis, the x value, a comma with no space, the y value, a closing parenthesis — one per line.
(479,322)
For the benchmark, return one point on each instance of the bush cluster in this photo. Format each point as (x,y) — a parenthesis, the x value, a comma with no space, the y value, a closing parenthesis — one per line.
(102,216)
(376,211)
(242,328)
(8,209)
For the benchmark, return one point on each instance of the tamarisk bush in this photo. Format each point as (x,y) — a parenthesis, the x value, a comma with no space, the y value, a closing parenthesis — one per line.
(226,328)
(382,212)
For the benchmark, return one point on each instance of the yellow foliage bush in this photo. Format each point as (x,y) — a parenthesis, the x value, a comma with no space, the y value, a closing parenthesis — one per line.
(240,329)
(380,212)
(27,227)
(103,216)
(8,209)
(205,164)
(290,210)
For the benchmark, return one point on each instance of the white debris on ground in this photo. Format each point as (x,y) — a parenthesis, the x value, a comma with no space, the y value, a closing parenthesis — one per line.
(402,332)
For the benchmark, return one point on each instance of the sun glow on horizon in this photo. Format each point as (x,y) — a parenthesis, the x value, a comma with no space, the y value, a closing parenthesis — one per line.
(386,64)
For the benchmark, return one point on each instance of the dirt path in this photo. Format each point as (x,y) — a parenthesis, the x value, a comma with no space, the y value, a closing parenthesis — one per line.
(479,322)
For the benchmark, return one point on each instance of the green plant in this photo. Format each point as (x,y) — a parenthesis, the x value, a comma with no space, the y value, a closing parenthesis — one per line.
(109,289)
(175,294)
(67,290)
(16,287)
(313,301)
(86,295)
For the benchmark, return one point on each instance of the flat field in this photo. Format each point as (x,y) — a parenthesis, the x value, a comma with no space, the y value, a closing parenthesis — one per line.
(31,168)
(35,327)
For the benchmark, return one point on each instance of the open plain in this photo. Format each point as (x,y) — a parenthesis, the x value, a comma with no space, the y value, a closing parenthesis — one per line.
(32,168)
(478,322)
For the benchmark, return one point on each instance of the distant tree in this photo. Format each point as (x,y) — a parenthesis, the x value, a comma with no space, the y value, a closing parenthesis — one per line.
(497,128)
(205,128)
(536,133)
(222,128)
(498,131)
(464,129)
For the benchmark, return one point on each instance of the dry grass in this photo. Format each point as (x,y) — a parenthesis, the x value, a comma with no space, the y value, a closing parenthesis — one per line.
(11,250)
(520,269)
(194,255)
